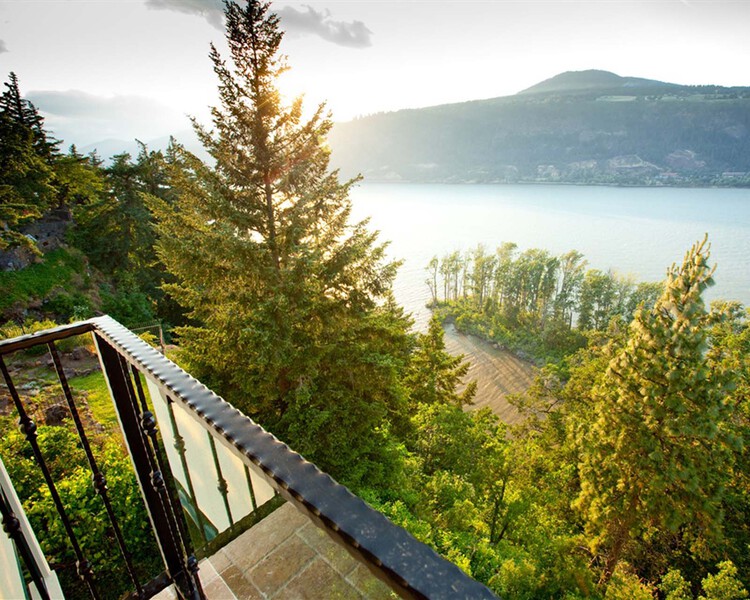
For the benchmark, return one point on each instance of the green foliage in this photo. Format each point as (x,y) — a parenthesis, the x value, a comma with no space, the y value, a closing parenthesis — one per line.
(11,330)
(434,374)
(674,587)
(127,304)
(724,585)
(25,182)
(527,302)
(149,338)
(116,232)
(71,473)
(34,176)
(634,448)
(289,301)
(627,586)
(78,180)
(74,306)
(730,352)
(59,278)
(656,454)
(26,189)
(98,398)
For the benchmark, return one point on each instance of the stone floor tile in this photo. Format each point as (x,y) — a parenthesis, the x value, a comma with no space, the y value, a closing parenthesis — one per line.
(370,586)
(258,541)
(281,565)
(167,593)
(220,561)
(218,590)
(206,572)
(324,545)
(240,585)
(319,581)
(286,557)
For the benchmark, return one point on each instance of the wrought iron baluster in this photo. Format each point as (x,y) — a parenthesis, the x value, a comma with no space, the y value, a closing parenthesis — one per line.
(159,471)
(98,478)
(138,447)
(29,429)
(164,467)
(179,444)
(222,485)
(12,526)
(253,501)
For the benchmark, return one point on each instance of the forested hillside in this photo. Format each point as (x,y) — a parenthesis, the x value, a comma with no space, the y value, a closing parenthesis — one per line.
(591,127)
(76,237)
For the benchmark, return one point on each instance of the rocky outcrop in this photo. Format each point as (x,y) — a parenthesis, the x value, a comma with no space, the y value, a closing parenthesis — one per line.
(46,234)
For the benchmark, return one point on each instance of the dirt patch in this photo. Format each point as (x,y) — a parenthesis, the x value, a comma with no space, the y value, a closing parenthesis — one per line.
(498,373)
(38,387)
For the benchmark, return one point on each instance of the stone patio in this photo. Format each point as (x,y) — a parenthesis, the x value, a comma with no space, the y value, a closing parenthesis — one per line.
(285,556)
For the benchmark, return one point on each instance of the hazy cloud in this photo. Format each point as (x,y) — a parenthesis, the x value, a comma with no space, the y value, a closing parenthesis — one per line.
(211,10)
(3,47)
(354,34)
(81,118)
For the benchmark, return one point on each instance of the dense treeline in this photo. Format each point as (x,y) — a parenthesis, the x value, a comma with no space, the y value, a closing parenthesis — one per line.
(35,176)
(629,477)
(534,302)
(76,237)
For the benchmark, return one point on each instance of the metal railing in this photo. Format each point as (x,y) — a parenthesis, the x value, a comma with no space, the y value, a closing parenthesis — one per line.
(198,458)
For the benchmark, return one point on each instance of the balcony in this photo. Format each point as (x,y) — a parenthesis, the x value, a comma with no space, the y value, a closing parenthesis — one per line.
(234,512)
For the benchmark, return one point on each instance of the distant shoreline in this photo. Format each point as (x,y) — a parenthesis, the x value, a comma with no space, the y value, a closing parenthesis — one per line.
(683,185)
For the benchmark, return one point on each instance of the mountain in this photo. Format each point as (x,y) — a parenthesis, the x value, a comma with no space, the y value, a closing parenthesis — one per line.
(587,127)
(594,80)
(107,148)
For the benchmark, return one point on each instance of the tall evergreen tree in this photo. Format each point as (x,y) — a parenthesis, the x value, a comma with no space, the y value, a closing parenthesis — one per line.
(289,299)
(26,178)
(78,179)
(434,375)
(24,113)
(117,233)
(657,453)
(34,175)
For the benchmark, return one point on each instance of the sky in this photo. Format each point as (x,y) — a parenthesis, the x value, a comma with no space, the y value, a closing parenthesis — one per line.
(125,69)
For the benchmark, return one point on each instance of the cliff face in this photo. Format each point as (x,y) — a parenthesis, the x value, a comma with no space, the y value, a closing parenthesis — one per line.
(47,234)
(586,127)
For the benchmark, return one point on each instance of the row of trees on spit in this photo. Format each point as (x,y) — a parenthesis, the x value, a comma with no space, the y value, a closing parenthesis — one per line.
(551,300)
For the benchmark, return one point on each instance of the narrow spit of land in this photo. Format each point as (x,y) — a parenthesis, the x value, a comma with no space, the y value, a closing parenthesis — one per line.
(498,373)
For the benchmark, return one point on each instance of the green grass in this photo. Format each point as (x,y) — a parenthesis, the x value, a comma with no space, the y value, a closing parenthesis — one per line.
(37,280)
(98,398)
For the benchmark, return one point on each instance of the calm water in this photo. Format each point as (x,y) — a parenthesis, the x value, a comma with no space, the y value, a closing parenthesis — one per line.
(638,231)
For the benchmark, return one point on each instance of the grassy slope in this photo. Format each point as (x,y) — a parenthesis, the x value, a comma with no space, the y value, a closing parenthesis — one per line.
(98,398)
(59,268)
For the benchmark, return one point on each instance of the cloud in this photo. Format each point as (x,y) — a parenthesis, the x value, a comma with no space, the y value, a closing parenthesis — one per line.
(82,118)
(3,47)
(211,10)
(354,34)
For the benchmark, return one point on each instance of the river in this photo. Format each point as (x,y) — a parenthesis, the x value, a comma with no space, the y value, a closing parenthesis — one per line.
(638,231)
